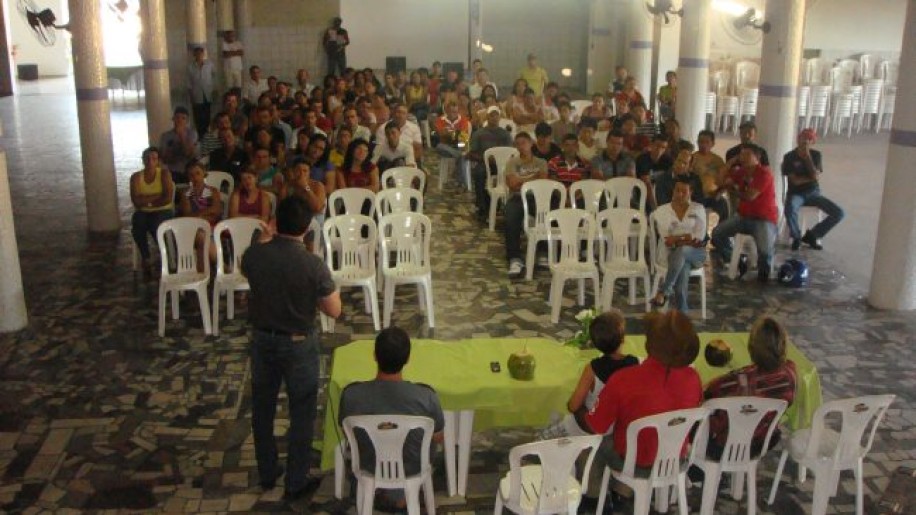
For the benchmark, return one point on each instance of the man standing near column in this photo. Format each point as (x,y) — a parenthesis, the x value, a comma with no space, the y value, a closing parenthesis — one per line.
(232,51)
(200,87)
(336,39)
(802,166)
(289,285)
(534,75)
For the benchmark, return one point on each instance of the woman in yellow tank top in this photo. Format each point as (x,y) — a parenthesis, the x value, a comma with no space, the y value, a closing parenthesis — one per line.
(152,193)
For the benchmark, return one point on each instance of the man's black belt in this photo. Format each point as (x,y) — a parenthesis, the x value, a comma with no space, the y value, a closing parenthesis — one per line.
(280,332)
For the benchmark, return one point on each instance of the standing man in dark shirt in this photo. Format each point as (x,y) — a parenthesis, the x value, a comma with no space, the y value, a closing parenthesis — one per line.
(336,39)
(489,136)
(802,166)
(747,131)
(289,285)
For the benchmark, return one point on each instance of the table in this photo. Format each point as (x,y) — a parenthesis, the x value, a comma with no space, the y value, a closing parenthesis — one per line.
(474,397)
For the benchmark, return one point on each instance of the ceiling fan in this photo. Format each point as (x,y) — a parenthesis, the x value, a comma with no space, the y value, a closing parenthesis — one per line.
(662,11)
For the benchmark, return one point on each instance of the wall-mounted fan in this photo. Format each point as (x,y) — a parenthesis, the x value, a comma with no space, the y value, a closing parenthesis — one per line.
(664,11)
(747,28)
(41,21)
(122,9)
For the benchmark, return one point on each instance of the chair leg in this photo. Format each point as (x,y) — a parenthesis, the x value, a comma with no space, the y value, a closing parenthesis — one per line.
(204,308)
(581,292)
(230,304)
(605,479)
(339,465)
(163,297)
(529,259)
(860,502)
(642,498)
(556,298)
(703,296)
(752,491)
(412,492)
(710,489)
(822,488)
(372,298)
(494,203)
(174,304)
(631,284)
(737,489)
(429,496)
(682,507)
(782,463)
(430,312)
(368,498)
(389,302)
(216,294)
(645,284)
(498,505)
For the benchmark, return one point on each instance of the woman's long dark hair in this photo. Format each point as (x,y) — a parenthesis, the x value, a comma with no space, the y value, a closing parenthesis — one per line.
(348,158)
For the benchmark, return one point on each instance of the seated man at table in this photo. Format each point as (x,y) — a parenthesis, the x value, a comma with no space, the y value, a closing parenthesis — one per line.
(663,382)
(390,394)
(770,375)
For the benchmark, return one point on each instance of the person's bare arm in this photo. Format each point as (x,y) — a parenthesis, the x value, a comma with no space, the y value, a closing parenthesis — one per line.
(234,203)
(330,305)
(215,211)
(586,382)
(374,183)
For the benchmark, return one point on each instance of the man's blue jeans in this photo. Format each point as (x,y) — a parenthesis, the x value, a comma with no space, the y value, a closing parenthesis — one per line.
(763,232)
(795,201)
(294,361)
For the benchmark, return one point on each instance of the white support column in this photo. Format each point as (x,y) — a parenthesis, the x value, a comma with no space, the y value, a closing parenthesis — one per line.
(893,278)
(242,24)
(693,68)
(779,68)
(94,114)
(197,24)
(13,315)
(156,69)
(639,47)
(225,17)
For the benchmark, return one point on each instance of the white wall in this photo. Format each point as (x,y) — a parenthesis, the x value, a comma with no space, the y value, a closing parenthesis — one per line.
(51,61)
(854,26)
(421,30)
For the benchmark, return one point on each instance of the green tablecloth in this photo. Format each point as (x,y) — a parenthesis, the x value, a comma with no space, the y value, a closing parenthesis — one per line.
(460,373)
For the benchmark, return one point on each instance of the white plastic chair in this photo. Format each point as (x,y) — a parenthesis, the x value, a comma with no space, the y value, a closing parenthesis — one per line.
(617,261)
(747,76)
(579,107)
(747,107)
(404,177)
(355,263)
(888,71)
(184,232)
(710,112)
(405,259)
(398,200)
(842,111)
(669,469)
(744,414)
(496,178)
(728,112)
(587,194)
(871,100)
(543,191)
(658,263)
(857,92)
(388,434)
(619,192)
(547,487)
(867,66)
(886,118)
(566,228)
(828,452)
(840,79)
(814,71)
(850,67)
(229,278)
(719,82)
(223,182)
(819,108)
(509,125)
(802,100)
(351,201)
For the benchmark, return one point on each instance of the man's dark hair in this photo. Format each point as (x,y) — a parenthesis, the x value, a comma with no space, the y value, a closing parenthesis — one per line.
(607,331)
(683,179)
(543,129)
(685,145)
(523,135)
(181,110)
(392,349)
(253,67)
(570,137)
(614,133)
(748,125)
(293,216)
(147,152)
(391,125)
(659,137)
(707,132)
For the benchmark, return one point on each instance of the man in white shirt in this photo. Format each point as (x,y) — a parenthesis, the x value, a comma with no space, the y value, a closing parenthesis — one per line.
(410,132)
(392,150)
(232,52)
(481,79)
(255,85)
(302,82)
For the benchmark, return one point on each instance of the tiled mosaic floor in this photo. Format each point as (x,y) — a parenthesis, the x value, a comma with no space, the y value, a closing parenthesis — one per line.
(98,413)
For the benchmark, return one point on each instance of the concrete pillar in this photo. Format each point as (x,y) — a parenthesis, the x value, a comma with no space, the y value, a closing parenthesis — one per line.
(156,69)
(639,48)
(475,32)
(779,69)
(13,316)
(94,115)
(693,68)
(242,24)
(893,278)
(197,24)
(225,17)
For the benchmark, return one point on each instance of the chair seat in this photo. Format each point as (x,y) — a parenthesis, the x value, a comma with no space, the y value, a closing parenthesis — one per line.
(574,268)
(184,280)
(531,481)
(798,443)
(234,281)
(498,190)
(623,268)
(352,274)
(406,271)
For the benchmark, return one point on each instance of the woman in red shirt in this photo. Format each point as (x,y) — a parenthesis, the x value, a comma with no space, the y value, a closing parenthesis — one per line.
(357,170)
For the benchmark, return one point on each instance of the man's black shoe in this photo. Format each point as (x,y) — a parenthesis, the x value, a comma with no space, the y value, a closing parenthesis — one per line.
(270,484)
(811,241)
(796,243)
(311,484)
(742,265)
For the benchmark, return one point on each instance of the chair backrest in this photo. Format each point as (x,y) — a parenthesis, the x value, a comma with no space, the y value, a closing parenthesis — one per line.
(619,191)
(672,429)
(398,200)
(852,67)
(820,101)
(747,76)
(889,71)
(587,194)
(616,224)
(840,79)
(749,101)
(496,176)
(407,235)
(221,181)
(388,434)
(710,103)
(744,414)
(871,96)
(354,236)
(719,82)
(183,232)
(867,65)
(241,232)
(543,191)
(557,458)
(404,177)
(856,91)
(858,416)
(843,106)
(351,201)
(804,96)
(579,106)
(509,125)
(889,100)
(572,226)
(814,71)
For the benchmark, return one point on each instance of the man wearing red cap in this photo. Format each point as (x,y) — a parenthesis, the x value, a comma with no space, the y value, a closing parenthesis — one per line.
(802,166)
